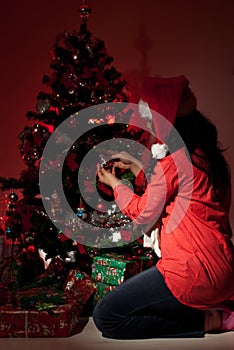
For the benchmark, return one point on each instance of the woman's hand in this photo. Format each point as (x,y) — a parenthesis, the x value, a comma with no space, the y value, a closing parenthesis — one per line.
(107,178)
(126,161)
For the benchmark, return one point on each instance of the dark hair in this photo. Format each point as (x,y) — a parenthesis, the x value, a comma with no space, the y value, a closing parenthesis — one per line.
(201,139)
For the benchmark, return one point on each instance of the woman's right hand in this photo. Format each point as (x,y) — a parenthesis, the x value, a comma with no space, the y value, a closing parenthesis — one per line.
(127,161)
(107,178)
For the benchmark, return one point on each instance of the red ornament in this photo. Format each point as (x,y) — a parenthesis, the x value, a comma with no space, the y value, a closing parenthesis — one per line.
(31,248)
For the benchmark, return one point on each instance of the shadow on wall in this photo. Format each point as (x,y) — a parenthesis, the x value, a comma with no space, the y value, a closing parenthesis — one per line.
(134,77)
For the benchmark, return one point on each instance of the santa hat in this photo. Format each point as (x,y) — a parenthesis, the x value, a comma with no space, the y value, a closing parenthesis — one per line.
(162,100)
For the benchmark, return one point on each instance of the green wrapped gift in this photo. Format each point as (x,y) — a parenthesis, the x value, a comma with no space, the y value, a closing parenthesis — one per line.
(113,269)
(102,289)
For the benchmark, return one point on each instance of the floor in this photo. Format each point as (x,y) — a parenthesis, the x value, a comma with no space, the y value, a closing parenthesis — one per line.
(91,339)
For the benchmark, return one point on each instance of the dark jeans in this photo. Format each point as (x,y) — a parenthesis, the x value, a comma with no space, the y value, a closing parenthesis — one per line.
(143,307)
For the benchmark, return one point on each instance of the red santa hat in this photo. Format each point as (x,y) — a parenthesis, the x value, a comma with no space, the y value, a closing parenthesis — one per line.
(162,100)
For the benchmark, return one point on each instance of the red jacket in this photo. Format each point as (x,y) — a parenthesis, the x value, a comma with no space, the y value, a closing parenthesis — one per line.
(197,252)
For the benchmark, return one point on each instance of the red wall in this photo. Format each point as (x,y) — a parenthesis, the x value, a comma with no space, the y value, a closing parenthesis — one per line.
(165,37)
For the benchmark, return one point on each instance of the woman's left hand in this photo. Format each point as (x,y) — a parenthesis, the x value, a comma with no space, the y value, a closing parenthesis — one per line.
(107,178)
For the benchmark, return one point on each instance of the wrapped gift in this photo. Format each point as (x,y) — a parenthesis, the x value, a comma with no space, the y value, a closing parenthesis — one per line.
(7,249)
(147,262)
(59,321)
(18,273)
(30,298)
(5,271)
(102,289)
(20,270)
(113,269)
(79,286)
(3,294)
(144,261)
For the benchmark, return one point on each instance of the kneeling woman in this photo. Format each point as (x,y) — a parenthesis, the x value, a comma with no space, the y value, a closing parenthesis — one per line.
(186,293)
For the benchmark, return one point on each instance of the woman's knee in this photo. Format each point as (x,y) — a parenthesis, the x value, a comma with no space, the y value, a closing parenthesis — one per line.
(106,318)
(98,314)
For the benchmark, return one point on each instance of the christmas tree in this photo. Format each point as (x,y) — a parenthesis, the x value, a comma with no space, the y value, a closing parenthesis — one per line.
(83,75)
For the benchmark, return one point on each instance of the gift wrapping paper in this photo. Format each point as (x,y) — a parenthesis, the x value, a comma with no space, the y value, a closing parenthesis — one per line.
(102,289)
(27,299)
(79,286)
(113,269)
(59,321)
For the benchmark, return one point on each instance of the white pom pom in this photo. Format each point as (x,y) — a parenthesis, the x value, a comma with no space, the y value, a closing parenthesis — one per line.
(159,151)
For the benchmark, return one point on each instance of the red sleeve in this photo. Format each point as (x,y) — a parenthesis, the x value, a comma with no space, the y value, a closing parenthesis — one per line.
(140,183)
(148,208)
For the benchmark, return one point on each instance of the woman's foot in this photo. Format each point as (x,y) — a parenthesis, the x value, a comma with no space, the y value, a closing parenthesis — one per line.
(227,320)
(222,320)
(213,320)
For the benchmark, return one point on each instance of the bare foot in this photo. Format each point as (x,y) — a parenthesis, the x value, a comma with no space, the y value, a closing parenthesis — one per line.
(213,320)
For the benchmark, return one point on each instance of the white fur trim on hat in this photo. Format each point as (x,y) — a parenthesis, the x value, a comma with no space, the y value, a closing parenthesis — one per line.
(144,110)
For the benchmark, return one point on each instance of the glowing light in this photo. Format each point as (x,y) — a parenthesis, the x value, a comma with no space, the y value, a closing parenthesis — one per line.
(95,121)
(110,119)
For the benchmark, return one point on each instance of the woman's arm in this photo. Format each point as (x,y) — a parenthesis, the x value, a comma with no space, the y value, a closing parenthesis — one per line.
(147,208)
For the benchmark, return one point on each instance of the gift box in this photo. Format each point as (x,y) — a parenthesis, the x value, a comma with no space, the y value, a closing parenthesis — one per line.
(113,269)
(147,262)
(144,261)
(79,286)
(5,271)
(58,321)
(18,271)
(102,289)
(46,311)
(28,299)
(3,294)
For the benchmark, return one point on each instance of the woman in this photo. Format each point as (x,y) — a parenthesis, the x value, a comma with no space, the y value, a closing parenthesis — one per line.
(188,197)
